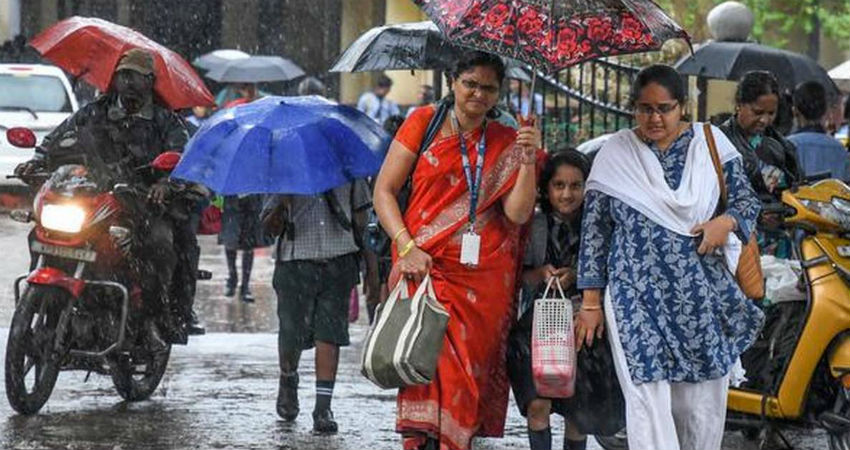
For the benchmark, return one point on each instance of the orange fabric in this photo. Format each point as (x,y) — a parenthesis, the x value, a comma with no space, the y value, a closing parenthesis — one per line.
(469,394)
(237,102)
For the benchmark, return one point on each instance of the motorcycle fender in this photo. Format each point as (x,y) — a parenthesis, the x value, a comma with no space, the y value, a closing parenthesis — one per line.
(839,357)
(51,276)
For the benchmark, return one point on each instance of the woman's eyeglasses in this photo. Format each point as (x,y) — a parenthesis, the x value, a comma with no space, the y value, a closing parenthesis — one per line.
(662,109)
(488,89)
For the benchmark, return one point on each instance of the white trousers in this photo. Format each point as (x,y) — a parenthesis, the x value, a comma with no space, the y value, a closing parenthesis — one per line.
(668,416)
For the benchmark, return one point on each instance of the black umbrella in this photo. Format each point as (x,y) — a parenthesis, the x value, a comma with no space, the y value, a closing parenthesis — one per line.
(404,46)
(731,60)
(407,46)
(256,69)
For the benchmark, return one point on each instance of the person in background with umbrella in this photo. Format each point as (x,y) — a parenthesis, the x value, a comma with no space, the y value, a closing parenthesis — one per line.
(676,318)
(770,160)
(240,221)
(469,393)
(817,151)
(375,102)
(316,267)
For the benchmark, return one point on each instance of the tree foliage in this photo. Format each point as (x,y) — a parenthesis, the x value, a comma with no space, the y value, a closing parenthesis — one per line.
(775,20)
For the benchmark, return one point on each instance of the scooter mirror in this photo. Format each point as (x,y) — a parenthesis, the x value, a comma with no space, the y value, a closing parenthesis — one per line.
(166,161)
(21,137)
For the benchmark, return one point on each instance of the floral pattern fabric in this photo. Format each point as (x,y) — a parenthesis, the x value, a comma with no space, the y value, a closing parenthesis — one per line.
(681,315)
(553,35)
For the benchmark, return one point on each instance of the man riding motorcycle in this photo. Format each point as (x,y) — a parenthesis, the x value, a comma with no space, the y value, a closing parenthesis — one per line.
(126,129)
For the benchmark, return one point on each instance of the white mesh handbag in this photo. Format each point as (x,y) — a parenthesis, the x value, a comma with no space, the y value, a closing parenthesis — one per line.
(553,355)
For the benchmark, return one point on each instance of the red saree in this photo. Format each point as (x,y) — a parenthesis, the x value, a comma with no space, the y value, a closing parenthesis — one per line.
(469,394)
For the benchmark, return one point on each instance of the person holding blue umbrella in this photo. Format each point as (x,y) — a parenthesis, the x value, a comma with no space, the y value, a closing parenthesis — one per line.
(316,268)
(313,155)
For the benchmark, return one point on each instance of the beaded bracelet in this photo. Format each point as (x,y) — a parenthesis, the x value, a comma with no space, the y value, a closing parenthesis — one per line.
(591,308)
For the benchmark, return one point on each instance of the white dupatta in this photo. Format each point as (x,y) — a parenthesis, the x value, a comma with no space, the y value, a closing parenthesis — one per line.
(627,169)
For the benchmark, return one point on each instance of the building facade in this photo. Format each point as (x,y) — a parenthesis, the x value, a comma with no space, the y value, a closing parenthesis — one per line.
(312,33)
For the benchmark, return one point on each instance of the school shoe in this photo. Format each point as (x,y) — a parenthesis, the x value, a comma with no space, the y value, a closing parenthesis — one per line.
(194,326)
(287,397)
(231,286)
(246,295)
(323,422)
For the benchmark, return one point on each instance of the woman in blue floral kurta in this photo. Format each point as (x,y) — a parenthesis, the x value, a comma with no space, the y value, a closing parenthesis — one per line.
(680,317)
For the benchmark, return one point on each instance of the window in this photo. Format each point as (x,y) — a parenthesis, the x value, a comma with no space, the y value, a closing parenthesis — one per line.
(40,93)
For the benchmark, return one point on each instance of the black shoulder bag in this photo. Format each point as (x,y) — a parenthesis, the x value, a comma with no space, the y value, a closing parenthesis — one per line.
(374,236)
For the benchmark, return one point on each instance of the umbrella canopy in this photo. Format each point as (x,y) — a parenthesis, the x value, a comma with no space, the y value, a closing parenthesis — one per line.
(407,46)
(840,74)
(404,46)
(90,48)
(283,145)
(215,58)
(553,34)
(256,69)
(731,60)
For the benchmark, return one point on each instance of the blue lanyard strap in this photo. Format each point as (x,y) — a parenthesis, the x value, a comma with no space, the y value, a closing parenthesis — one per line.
(474,184)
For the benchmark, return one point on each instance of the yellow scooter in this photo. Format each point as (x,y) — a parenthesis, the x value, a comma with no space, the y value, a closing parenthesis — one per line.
(798,370)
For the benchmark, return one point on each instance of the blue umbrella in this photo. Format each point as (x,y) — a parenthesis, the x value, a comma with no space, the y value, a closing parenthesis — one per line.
(283,145)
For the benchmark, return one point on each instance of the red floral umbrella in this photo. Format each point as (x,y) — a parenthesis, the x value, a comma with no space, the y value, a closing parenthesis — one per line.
(90,48)
(553,34)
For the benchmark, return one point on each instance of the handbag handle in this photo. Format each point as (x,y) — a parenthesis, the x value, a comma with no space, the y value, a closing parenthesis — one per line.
(718,167)
(557,284)
(402,288)
(425,285)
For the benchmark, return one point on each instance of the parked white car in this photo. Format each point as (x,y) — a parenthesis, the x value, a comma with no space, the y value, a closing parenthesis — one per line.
(35,96)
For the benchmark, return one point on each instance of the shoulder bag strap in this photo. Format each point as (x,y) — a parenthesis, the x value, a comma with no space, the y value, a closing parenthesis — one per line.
(442,110)
(718,167)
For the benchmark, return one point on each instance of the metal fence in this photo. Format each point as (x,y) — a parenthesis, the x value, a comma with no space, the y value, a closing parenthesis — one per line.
(585,101)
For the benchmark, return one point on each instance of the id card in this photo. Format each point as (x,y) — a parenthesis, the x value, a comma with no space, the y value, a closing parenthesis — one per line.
(470,247)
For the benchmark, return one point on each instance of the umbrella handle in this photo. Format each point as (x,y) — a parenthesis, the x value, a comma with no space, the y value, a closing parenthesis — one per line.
(530,119)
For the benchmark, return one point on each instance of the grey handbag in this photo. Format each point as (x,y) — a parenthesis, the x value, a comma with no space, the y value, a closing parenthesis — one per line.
(405,340)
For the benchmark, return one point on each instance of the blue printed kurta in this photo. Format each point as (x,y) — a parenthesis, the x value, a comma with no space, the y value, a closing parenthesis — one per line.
(680,315)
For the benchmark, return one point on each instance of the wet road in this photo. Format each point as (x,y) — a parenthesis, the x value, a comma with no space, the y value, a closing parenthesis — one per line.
(219,391)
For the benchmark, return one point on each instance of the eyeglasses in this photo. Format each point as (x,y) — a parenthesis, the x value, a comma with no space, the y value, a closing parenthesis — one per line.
(662,109)
(488,89)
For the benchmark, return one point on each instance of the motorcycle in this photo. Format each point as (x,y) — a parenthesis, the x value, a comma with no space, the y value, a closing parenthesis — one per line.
(798,370)
(82,307)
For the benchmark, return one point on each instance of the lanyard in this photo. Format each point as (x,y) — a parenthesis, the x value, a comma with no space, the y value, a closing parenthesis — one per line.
(473,183)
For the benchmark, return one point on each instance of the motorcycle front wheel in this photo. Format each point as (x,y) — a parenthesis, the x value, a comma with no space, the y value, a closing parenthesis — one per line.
(137,377)
(32,359)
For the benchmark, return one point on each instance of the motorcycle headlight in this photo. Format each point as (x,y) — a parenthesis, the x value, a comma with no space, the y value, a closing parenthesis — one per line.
(64,218)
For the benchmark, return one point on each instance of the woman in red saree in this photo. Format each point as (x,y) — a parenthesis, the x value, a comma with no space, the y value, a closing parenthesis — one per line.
(469,393)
